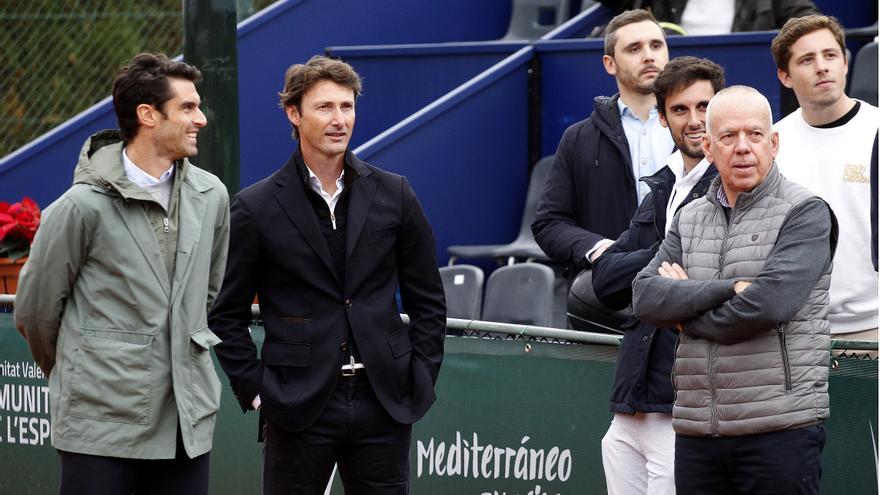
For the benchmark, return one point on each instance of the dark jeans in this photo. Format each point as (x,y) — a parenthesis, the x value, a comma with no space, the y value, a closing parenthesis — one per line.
(777,463)
(83,474)
(354,432)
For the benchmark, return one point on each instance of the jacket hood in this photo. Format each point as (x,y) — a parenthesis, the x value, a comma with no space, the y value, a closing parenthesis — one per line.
(606,118)
(606,115)
(100,165)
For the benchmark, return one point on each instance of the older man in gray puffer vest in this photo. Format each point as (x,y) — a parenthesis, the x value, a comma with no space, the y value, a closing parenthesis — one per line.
(744,275)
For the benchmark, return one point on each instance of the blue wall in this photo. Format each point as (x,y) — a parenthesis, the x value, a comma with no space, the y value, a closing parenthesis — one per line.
(399,80)
(851,13)
(466,156)
(288,32)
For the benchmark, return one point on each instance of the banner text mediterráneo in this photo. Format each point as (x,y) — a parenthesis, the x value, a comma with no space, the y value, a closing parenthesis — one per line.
(468,458)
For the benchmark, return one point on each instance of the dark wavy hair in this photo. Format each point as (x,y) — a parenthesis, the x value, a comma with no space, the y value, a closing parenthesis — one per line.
(681,72)
(145,80)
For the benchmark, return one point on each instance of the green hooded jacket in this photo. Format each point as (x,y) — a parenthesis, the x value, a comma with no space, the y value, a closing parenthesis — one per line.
(118,319)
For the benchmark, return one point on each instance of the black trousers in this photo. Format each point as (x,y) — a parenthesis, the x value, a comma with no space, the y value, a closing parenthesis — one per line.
(370,448)
(777,463)
(83,474)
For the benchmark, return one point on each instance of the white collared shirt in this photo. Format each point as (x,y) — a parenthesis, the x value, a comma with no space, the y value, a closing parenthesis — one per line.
(683,183)
(331,200)
(159,189)
(649,145)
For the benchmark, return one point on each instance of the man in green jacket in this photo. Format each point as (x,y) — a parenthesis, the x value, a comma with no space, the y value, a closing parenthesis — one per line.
(114,298)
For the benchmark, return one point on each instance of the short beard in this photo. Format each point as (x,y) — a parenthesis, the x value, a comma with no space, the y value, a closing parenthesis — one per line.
(688,153)
(645,89)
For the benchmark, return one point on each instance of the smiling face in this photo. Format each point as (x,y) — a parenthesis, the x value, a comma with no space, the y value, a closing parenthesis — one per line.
(324,119)
(685,116)
(816,71)
(640,54)
(178,122)
(740,142)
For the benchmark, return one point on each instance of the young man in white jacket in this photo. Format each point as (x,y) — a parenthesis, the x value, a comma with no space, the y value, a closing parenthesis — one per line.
(826,147)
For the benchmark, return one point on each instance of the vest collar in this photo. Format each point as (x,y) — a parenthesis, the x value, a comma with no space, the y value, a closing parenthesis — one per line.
(746,199)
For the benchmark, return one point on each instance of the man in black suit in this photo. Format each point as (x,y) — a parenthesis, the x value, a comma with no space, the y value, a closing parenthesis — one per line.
(326,242)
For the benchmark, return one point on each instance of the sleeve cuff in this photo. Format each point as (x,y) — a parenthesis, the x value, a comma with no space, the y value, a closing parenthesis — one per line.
(603,242)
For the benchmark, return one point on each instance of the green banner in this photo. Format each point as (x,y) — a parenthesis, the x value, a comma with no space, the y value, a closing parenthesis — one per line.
(511,418)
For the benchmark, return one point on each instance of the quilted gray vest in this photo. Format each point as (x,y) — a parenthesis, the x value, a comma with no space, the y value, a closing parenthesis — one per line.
(776,381)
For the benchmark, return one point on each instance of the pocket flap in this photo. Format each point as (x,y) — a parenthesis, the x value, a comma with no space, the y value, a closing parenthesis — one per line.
(205,338)
(113,335)
(400,343)
(382,232)
(286,354)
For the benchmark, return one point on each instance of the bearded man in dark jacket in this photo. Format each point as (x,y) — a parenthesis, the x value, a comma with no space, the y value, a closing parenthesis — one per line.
(592,191)
(638,451)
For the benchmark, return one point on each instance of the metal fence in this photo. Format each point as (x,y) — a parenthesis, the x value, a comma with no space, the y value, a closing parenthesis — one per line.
(58,57)
(841,348)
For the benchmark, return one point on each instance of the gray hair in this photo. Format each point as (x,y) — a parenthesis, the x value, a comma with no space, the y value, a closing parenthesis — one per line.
(738,91)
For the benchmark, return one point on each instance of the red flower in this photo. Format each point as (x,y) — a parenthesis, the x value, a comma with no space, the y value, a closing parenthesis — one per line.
(18,225)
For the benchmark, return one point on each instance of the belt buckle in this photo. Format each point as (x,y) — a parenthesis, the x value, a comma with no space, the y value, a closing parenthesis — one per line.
(350,369)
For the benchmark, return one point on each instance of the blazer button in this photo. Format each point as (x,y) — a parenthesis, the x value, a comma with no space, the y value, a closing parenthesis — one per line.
(348,303)
(343,346)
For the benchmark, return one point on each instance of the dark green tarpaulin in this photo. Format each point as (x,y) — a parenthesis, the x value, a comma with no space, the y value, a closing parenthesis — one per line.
(512,418)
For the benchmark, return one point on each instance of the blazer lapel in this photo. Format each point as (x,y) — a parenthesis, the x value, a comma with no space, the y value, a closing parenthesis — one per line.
(362,192)
(291,197)
(139,227)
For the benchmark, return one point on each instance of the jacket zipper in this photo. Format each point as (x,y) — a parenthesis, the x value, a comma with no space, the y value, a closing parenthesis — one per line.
(713,413)
(786,366)
(672,371)
(167,228)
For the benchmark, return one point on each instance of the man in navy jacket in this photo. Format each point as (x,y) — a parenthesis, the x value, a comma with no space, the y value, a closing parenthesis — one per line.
(592,190)
(638,451)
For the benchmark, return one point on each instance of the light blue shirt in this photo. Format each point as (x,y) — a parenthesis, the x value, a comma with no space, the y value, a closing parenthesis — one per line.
(650,144)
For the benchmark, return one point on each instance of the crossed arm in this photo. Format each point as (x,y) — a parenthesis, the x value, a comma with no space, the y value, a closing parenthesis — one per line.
(734,310)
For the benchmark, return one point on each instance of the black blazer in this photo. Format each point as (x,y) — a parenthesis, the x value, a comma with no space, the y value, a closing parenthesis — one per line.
(277,251)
